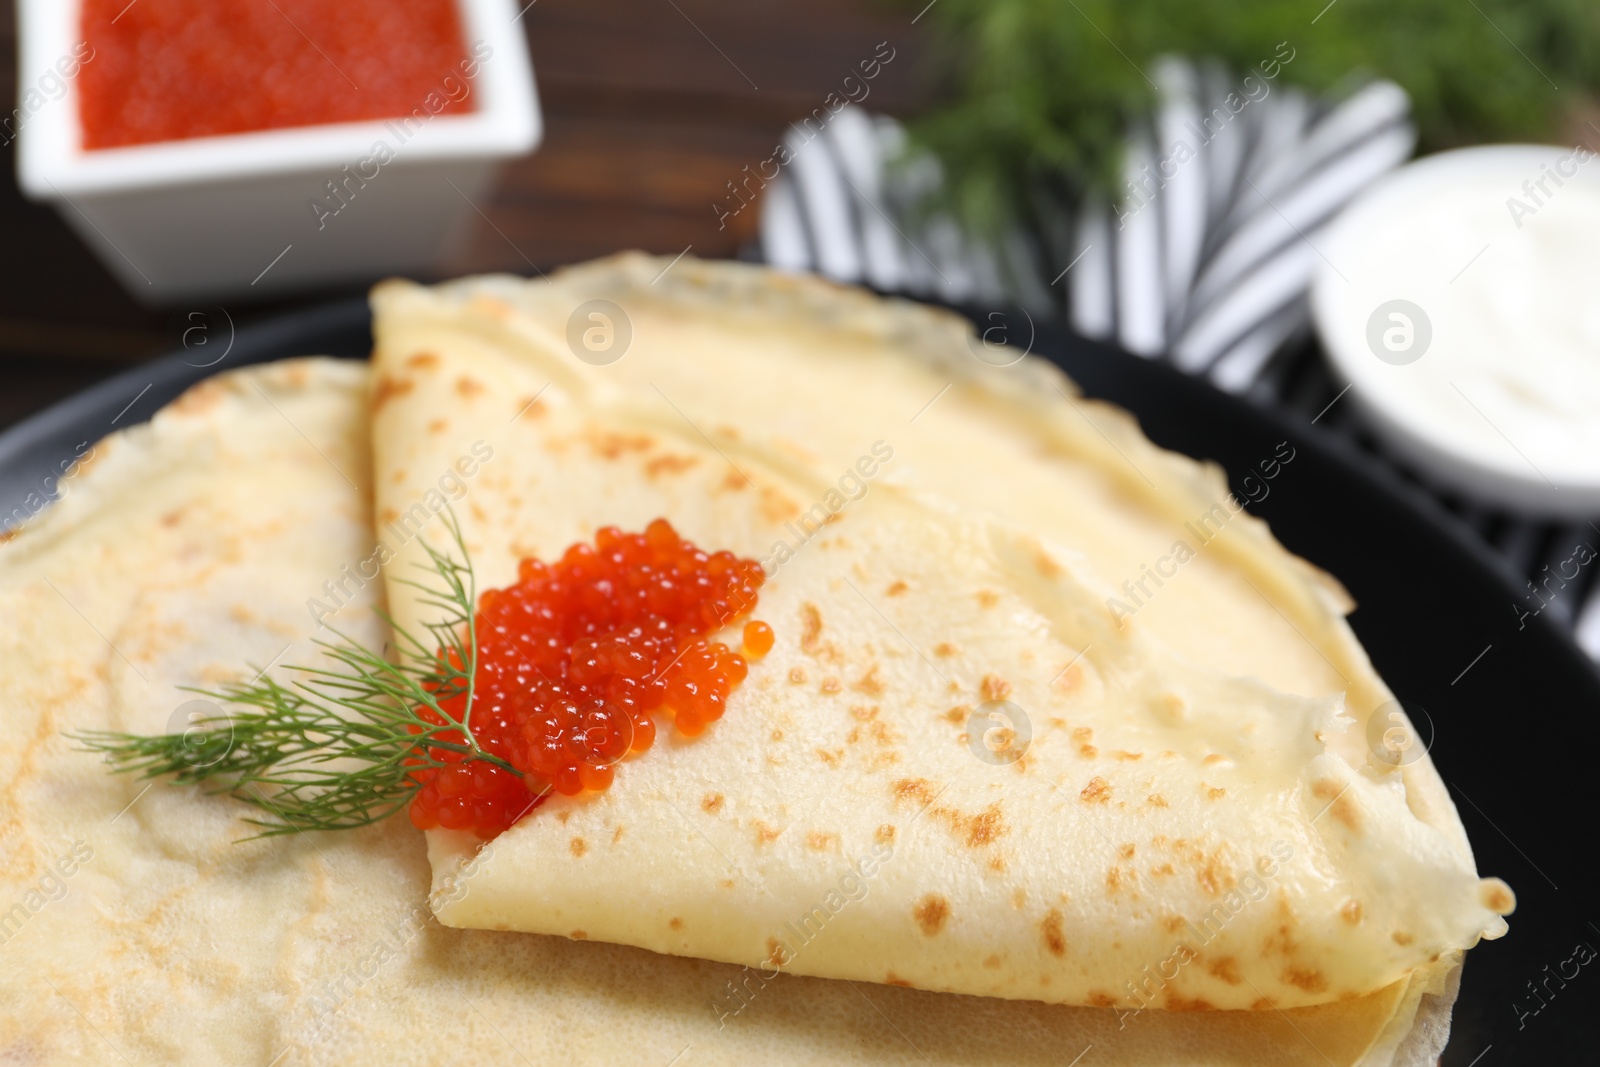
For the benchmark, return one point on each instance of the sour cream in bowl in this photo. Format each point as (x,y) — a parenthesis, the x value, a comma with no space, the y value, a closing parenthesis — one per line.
(1460,298)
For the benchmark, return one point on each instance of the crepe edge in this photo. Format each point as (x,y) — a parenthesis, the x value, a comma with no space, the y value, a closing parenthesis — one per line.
(95,478)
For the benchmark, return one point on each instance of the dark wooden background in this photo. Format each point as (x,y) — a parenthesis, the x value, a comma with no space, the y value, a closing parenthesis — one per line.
(647,117)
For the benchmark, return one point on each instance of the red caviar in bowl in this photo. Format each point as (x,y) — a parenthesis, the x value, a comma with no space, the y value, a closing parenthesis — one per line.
(169,70)
(577,659)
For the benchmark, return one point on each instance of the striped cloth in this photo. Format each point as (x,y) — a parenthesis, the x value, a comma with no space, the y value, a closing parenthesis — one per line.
(1204,260)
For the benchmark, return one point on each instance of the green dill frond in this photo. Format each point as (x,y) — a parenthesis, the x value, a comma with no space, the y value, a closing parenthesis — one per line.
(340,748)
(1046,91)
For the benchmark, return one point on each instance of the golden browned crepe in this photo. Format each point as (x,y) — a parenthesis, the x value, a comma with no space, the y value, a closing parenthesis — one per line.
(1196,821)
(134,928)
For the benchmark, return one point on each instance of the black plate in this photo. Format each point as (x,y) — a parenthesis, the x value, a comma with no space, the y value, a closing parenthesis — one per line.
(1512,709)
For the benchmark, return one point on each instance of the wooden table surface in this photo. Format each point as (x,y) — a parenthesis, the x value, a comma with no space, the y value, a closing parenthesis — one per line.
(651,107)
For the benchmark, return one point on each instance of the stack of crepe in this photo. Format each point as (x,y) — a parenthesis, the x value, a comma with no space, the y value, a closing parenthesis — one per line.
(979,804)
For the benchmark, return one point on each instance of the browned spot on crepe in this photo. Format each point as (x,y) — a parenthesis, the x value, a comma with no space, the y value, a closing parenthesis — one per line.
(195,399)
(669,464)
(811,629)
(1098,791)
(1175,1002)
(1227,969)
(469,386)
(995,687)
(579,846)
(423,361)
(776,507)
(1339,803)
(611,445)
(1055,938)
(870,683)
(1309,979)
(1214,875)
(919,790)
(387,388)
(931,913)
(712,803)
(986,826)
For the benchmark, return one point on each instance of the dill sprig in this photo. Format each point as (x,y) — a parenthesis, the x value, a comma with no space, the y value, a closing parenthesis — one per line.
(1037,96)
(341,748)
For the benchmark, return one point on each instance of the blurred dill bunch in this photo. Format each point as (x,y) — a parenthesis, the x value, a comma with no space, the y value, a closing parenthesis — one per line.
(1040,94)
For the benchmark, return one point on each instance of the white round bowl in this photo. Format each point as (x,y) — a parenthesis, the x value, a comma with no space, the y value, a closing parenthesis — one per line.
(1445,303)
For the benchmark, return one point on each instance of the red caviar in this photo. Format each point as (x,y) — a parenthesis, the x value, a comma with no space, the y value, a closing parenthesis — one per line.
(575,661)
(167,70)
(758,639)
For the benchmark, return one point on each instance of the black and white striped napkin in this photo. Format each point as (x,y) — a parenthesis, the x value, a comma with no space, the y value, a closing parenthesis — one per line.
(1204,260)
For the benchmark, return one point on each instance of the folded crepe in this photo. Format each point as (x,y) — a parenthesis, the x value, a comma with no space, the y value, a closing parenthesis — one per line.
(135,926)
(1047,717)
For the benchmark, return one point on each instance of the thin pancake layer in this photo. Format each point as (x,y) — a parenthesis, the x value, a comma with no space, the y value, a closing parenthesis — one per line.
(190,547)
(1194,822)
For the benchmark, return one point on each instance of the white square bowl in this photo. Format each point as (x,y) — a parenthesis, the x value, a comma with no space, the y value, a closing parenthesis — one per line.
(233,216)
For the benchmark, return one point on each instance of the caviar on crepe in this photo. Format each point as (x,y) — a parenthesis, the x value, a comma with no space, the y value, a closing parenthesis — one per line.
(758,639)
(577,659)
